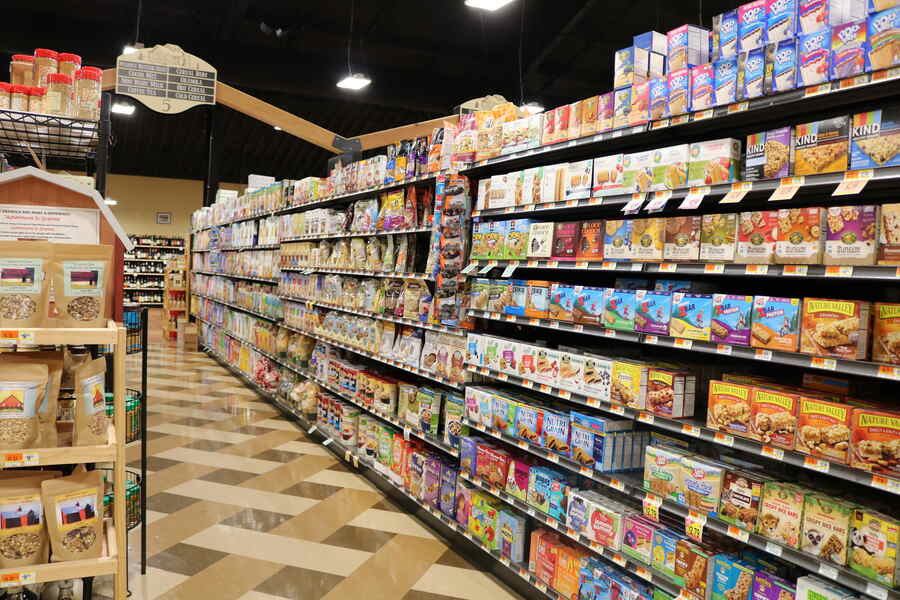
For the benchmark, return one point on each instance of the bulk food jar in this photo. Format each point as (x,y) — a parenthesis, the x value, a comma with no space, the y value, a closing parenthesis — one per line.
(5,89)
(18,98)
(21,68)
(45,62)
(68,64)
(58,100)
(36,99)
(87,93)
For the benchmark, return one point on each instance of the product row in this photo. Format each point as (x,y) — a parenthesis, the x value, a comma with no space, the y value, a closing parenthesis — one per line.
(49,82)
(260,264)
(387,253)
(255,297)
(244,234)
(400,298)
(230,207)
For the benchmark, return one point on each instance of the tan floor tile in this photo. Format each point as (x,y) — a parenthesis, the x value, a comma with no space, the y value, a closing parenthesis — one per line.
(254,446)
(219,460)
(341,479)
(163,480)
(294,582)
(274,424)
(359,538)
(329,515)
(462,583)
(247,418)
(155,446)
(153,584)
(187,522)
(254,595)
(188,412)
(201,433)
(387,520)
(244,496)
(228,579)
(257,520)
(305,448)
(289,474)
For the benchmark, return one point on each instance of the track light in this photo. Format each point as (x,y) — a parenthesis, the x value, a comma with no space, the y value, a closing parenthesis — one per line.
(354,81)
(490,5)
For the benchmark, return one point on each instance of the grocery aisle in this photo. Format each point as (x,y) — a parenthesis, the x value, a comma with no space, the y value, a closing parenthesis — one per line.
(242,505)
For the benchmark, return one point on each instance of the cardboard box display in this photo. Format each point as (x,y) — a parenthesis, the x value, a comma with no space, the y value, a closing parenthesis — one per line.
(568,568)
(623,67)
(886,333)
(874,138)
(665,542)
(752,78)
(604,520)
(768,155)
(562,297)
(826,527)
(773,416)
(639,113)
(682,243)
(874,544)
(776,323)
(579,179)
(511,530)
(741,496)
(782,20)
(702,484)
(518,289)
(731,316)
(540,240)
(618,309)
(849,50)
(605,112)
(543,554)
(590,244)
(621,107)
(725,32)
(679,81)
(608,175)
(801,239)
(663,474)
(597,377)
(499,295)
(637,172)
(617,240)
(781,66)
(718,237)
(752,25)
(670,167)
(691,316)
(659,98)
(883,32)
(504,410)
(703,87)
(781,513)
(531,185)
(671,393)
(814,58)
(571,371)
(874,441)
(757,236)
(728,407)
(715,161)
(821,146)
(653,41)
(647,237)
(637,541)
(653,310)
(588,305)
(838,328)
(553,182)
(629,384)
(687,45)
(811,587)
(537,299)
(501,191)
(693,564)
(823,429)
(565,240)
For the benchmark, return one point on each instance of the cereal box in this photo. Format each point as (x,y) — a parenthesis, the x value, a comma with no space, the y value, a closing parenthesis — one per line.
(647,239)
(652,311)
(617,239)
(838,328)
(757,236)
(728,408)
(663,474)
(702,484)
(629,384)
(718,237)
(562,297)
(731,319)
(849,50)
(463,502)
(640,103)
(813,15)
(608,175)
(688,45)
(767,586)
(781,66)
(716,161)
(776,323)
(679,91)
(875,441)
(682,241)
(454,421)
(590,244)
(752,74)
(826,527)
(883,36)
(782,20)
(886,333)
(889,234)
(768,154)
(752,24)
(540,240)
(637,172)
(703,81)
(517,479)
(801,239)
(823,428)
(537,299)
(511,529)
(725,72)
(578,181)
(671,393)
(517,231)
(588,305)
(483,521)
(448,491)
(659,98)
(565,240)
(621,107)
(670,167)
(873,137)
(691,316)
(781,513)
(693,564)
(597,376)
(618,309)
(732,579)
(492,464)
(741,495)
(773,416)
(821,146)
(589,123)
(725,35)
(623,67)
(874,543)
(637,540)
(814,58)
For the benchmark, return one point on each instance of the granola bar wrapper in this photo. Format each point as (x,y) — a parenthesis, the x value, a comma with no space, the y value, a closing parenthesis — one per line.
(91,422)
(23,283)
(80,285)
(74,517)
(23,534)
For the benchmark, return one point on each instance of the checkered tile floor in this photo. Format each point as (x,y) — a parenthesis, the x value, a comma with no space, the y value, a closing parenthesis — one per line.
(243,506)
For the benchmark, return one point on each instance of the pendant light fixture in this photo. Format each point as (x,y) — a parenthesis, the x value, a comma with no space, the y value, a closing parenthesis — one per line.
(490,5)
(353,81)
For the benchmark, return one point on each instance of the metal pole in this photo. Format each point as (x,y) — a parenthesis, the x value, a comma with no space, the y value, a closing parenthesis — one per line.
(144,327)
(214,154)
(103,136)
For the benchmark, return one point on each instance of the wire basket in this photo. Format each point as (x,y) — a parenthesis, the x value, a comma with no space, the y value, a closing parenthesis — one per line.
(133,317)
(133,400)
(132,496)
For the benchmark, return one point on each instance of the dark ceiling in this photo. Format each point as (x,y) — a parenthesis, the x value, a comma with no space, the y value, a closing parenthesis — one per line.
(424,58)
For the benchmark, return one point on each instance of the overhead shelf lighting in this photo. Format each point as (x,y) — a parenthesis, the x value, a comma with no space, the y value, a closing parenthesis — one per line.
(109,202)
(532,108)
(121,108)
(490,5)
(354,81)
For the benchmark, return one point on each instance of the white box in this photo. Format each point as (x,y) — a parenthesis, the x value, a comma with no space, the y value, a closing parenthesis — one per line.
(608,175)
(811,587)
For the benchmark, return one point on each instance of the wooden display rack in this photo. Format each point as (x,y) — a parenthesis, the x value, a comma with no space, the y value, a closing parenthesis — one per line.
(175,284)
(113,560)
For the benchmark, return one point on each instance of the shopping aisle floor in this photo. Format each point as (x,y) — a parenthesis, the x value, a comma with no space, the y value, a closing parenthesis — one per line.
(243,506)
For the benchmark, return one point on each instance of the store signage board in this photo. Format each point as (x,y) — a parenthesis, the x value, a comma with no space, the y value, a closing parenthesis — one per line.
(166,79)
(57,224)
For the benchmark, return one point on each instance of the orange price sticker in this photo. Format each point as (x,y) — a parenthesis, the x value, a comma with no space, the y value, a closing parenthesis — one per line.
(838,271)
(737,107)
(761,354)
(552,522)
(886,483)
(619,559)
(522,444)
(617,409)
(737,193)
(787,188)
(651,339)
(581,264)
(817,90)
(816,464)
(593,402)
(756,269)
(683,343)
(9,334)
(723,349)
(724,438)
(608,266)
(703,114)
(644,417)
(667,267)
(544,388)
(691,430)
(694,197)
(587,471)
(823,363)
(776,453)
(713,268)
(617,485)
(527,383)
(738,533)
(795,270)
(643,573)
(552,457)
(886,372)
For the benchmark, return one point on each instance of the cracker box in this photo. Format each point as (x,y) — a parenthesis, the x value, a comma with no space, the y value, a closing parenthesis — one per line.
(757,236)
(597,376)
(781,66)
(752,24)
(640,103)
(838,328)
(629,384)
(703,81)
(679,81)
(886,333)
(716,161)
(540,240)
(588,305)
(516,247)
(637,172)
(773,416)
(682,243)
(590,243)
(647,236)
(562,297)
(665,542)
(731,319)
(718,237)
(565,240)
(781,513)
(782,20)
(732,579)
(623,67)
(725,71)
(688,45)
(537,299)
(874,544)
(637,541)
(617,240)
(752,74)
(728,408)
(821,146)
(670,167)
(801,239)
(823,428)
(608,178)
(671,393)
(813,15)
(621,107)
(767,586)
(814,58)
(873,138)
(875,441)
(768,155)
(578,181)
(589,122)
(826,527)
(618,309)
(693,564)
(511,529)
(776,323)
(659,98)
(653,310)
(849,56)
(663,474)
(691,316)
(889,234)
(741,495)
(811,587)
(725,35)
(883,37)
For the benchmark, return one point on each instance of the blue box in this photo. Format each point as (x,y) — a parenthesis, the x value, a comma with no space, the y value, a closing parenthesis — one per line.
(782,20)
(849,50)
(726,572)
(448,491)
(555,432)
(753,67)
(752,23)
(512,533)
(781,66)
(623,67)
(659,98)
(703,87)
(725,35)
(726,76)
(814,58)
(883,31)
(519,290)
(870,126)
(679,92)
(653,41)
(468,451)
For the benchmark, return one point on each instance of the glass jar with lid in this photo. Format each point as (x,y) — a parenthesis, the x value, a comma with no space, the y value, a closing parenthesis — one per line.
(68,64)
(18,98)
(45,63)
(5,89)
(21,68)
(58,100)
(36,97)
(87,93)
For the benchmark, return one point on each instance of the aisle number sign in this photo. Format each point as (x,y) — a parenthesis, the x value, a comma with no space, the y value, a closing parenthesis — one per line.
(166,79)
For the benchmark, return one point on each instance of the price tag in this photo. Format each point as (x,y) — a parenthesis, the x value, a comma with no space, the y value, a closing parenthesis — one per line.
(737,107)
(851,82)
(523,573)
(658,203)
(644,417)
(544,388)
(690,429)
(505,561)
(617,133)
(787,188)
(540,585)
(795,270)
(738,533)
(817,90)
(595,201)
(776,453)
(586,471)
(651,506)
(643,573)
(571,203)
(571,533)
(593,402)
(737,193)
(494,315)
(651,339)
(616,409)
(470,267)
(713,268)
(527,383)
(694,523)
(573,143)
(347,456)
(619,559)
(355,461)
(853,182)
(886,483)
(581,264)
(876,591)
(406,433)
(761,354)
(510,269)
(610,333)
(828,571)
(723,438)
(617,485)
(838,271)
(683,343)
(312,429)
(680,119)
(611,266)
(773,549)
(486,268)
(724,349)
(565,394)
(510,318)
(636,266)
(886,372)
(818,362)
(552,263)
(661,124)
(552,522)
(634,205)
(816,464)
(327,442)
(9,334)
(756,270)
(17,579)
(530,511)
(552,457)
(703,114)
(502,376)
(21,459)
(694,198)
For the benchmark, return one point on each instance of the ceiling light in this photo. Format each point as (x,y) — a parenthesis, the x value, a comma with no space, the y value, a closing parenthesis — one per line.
(277,128)
(354,81)
(120,108)
(110,202)
(532,108)
(133,48)
(490,5)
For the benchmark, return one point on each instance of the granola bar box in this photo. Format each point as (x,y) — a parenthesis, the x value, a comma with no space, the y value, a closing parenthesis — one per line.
(874,546)
(693,564)
(715,161)
(875,138)
(741,496)
(588,305)
(767,586)
(670,167)
(826,527)
(781,513)
(702,483)
(703,79)
(617,240)
(618,309)
(629,384)
(889,234)
(679,91)
(768,154)
(823,428)
(875,441)
(850,235)
(691,316)
(682,241)
(652,311)
(590,241)
(565,240)
(663,474)
(773,416)
(659,98)
(776,323)
(671,393)
(811,587)
(801,239)
(757,236)
(608,175)
(637,174)
(731,319)
(732,579)
(728,408)
(886,333)
(718,237)
(781,66)
(822,146)
(838,328)
(647,236)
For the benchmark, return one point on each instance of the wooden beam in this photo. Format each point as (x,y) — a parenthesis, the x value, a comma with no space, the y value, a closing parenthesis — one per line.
(378,139)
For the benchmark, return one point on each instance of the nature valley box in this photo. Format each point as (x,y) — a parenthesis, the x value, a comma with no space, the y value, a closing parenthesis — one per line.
(875,441)
(728,408)
(823,428)
(838,328)
(773,416)
(886,333)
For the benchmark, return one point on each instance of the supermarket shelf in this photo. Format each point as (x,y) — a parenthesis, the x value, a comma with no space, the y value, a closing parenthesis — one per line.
(159,246)
(50,336)
(147,274)
(387,274)
(241,277)
(355,195)
(371,315)
(334,236)
(155,260)
(240,308)
(840,272)
(61,455)
(242,248)
(373,356)
(150,303)
(257,215)
(49,135)
(144,289)
(860,368)
(244,341)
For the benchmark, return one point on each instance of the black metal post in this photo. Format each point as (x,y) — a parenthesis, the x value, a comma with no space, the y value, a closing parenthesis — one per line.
(144,326)
(214,154)
(104,130)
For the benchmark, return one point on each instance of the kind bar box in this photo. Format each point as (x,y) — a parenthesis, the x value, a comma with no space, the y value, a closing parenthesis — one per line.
(659,98)
(608,175)
(691,316)
(875,138)
(782,20)
(703,87)
(679,91)
(850,235)
(821,146)
(883,38)
(647,237)
(653,310)
(716,161)
(781,66)
(800,236)
(889,234)
(849,54)
(731,319)
(617,240)
(838,328)
(752,74)
(718,236)
(776,323)
(725,35)
(725,72)
(670,167)
(540,240)
(590,242)
(757,235)
(688,45)
(814,57)
(752,24)
(886,333)
(875,437)
(682,242)
(768,155)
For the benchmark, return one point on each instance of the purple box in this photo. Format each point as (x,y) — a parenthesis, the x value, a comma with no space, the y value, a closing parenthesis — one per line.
(771,587)
(731,319)
(448,491)
(849,50)
(652,311)
(850,233)
(767,154)
(468,451)
(463,502)
(702,87)
(431,483)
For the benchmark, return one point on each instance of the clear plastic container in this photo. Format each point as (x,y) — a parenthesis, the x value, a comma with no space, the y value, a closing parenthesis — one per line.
(21,69)
(58,100)
(36,97)
(18,98)
(45,63)
(87,93)
(5,89)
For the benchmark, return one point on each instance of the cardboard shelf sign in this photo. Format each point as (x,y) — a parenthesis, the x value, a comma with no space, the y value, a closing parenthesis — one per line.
(166,79)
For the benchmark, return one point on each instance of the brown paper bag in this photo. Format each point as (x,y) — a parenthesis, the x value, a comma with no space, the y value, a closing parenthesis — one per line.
(73,507)
(91,422)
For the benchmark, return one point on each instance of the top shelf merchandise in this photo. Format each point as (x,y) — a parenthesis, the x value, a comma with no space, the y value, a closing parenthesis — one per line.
(155,249)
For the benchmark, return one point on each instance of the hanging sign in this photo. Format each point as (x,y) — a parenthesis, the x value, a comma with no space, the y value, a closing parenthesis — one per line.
(166,79)
(57,224)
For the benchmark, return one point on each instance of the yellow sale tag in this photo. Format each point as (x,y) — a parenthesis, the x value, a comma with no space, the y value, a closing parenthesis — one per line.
(652,503)
(694,523)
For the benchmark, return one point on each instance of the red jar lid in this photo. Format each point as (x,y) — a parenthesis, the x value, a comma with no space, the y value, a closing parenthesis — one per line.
(72,58)
(59,78)
(20,89)
(89,73)
(37,91)
(23,57)
(44,53)
(5,87)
